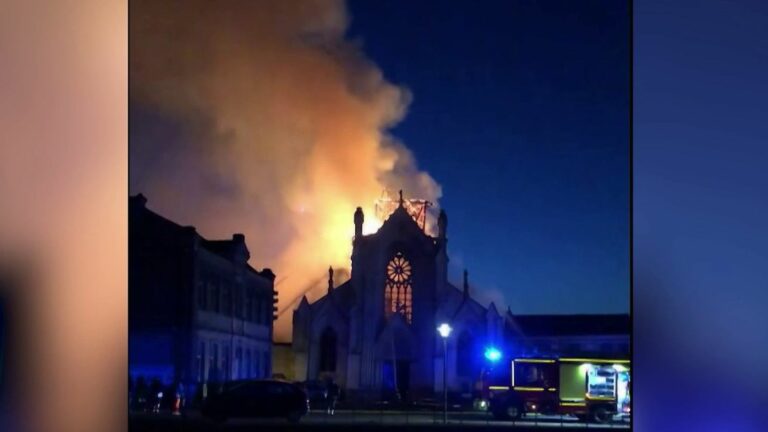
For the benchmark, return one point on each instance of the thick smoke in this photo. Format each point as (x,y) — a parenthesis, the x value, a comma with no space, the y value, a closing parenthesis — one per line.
(278,129)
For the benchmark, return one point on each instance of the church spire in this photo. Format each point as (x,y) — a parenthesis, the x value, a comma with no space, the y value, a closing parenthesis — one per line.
(330,279)
(359,219)
(466,283)
(401,198)
(442,224)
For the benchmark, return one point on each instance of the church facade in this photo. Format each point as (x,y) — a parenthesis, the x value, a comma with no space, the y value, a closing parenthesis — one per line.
(375,334)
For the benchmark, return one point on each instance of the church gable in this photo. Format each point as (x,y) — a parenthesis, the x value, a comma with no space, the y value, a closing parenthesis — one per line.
(449,303)
(403,221)
(470,310)
(400,226)
(328,315)
(454,301)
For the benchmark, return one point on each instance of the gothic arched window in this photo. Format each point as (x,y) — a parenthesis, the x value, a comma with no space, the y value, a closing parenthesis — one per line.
(397,291)
(328,350)
(465,355)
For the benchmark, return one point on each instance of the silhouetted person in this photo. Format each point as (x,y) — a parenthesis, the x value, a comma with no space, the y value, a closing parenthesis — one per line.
(333,396)
(179,397)
(130,392)
(156,395)
(141,394)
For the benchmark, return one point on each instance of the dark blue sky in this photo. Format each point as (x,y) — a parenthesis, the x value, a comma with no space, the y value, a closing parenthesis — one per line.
(521,112)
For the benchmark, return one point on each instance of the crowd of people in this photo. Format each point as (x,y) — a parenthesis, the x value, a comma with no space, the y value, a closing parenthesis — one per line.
(154,396)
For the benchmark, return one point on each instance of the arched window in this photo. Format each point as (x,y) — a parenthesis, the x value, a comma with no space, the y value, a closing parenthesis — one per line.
(397,291)
(328,350)
(465,355)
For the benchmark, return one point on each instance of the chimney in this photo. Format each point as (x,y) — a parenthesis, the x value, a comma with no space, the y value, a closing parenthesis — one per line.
(240,250)
(330,280)
(267,273)
(140,200)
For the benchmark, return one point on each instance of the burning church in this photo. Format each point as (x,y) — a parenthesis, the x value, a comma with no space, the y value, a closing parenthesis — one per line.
(375,333)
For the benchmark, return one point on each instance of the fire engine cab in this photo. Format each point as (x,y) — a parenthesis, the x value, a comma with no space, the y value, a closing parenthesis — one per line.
(588,388)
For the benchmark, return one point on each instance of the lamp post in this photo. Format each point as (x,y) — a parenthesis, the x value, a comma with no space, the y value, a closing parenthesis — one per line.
(445,330)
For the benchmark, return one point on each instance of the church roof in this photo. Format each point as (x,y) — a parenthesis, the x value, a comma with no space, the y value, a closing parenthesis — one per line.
(343,296)
(573,325)
(453,301)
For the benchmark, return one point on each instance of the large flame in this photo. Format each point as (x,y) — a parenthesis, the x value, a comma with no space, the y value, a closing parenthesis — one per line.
(278,130)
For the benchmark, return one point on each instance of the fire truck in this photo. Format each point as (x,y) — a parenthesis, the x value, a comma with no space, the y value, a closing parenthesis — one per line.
(591,389)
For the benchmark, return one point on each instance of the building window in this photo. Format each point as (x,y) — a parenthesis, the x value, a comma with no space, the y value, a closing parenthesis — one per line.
(247,366)
(225,365)
(247,306)
(257,310)
(328,350)
(265,316)
(201,295)
(213,297)
(238,373)
(464,355)
(397,291)
(214,374)
(236,304)
(257,366)
(225,299)
(201,363)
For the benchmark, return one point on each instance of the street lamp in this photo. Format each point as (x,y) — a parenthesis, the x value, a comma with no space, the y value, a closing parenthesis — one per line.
(445,330)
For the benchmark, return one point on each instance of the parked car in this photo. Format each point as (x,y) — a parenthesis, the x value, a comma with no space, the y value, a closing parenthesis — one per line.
(258,398)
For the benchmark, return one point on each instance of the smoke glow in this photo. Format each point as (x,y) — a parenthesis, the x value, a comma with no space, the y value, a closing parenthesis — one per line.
(279,130)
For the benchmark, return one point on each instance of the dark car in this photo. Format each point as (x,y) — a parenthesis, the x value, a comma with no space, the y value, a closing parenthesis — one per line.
(262,398)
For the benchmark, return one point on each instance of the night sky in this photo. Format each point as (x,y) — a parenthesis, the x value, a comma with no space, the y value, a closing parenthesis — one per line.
(521,112)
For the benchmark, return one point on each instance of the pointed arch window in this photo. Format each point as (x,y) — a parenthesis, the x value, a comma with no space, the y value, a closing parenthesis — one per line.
(397,291)
(465,349)
(328,350)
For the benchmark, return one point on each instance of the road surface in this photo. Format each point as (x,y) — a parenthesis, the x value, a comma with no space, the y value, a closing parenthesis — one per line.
(368,420)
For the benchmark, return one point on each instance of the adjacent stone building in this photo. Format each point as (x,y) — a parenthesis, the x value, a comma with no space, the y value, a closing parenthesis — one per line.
(198,312)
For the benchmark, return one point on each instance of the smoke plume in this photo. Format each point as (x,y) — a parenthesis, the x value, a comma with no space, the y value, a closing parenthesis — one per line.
(275,126)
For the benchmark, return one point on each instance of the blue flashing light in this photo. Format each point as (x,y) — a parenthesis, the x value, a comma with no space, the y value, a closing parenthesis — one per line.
(492,354)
